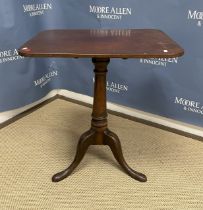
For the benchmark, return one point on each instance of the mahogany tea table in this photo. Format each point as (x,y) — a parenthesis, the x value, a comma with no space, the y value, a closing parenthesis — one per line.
(101,45)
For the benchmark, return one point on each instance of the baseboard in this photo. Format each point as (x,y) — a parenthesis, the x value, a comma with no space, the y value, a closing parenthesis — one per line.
(140,116)
(11,115)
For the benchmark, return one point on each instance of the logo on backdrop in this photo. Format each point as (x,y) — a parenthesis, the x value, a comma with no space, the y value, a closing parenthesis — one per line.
(159,61)
(9,56)
(189,105)
(36,9)
(46,78)
(196,15)
(110,13)
(115,87)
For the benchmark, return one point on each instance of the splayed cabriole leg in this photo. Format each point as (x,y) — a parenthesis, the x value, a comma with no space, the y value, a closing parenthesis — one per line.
(99,134)
(85,141)
(112,140)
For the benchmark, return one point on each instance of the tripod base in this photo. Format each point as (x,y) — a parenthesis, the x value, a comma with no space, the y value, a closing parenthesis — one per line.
(108,138)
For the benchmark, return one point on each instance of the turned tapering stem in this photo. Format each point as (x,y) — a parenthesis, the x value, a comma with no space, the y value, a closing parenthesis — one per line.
(99,114)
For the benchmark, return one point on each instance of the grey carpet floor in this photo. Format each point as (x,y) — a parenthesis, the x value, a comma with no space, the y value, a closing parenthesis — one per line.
(35,147)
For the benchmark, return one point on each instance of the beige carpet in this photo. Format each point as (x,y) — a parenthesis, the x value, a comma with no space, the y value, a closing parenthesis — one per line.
(35,147)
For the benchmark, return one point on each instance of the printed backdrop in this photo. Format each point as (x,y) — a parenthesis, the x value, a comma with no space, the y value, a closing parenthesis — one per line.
(167,87)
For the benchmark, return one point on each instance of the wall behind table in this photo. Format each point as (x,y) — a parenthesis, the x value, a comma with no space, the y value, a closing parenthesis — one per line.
(167,87)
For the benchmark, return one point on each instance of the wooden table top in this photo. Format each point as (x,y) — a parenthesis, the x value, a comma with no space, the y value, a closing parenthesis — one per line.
(100,43)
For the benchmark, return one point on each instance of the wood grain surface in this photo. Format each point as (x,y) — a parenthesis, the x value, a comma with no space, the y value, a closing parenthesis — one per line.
(98,43)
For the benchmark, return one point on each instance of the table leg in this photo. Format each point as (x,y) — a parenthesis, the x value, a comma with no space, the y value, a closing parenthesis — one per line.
(99,134)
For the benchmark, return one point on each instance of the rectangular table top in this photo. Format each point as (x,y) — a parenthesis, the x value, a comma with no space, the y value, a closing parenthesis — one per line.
(100,43)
